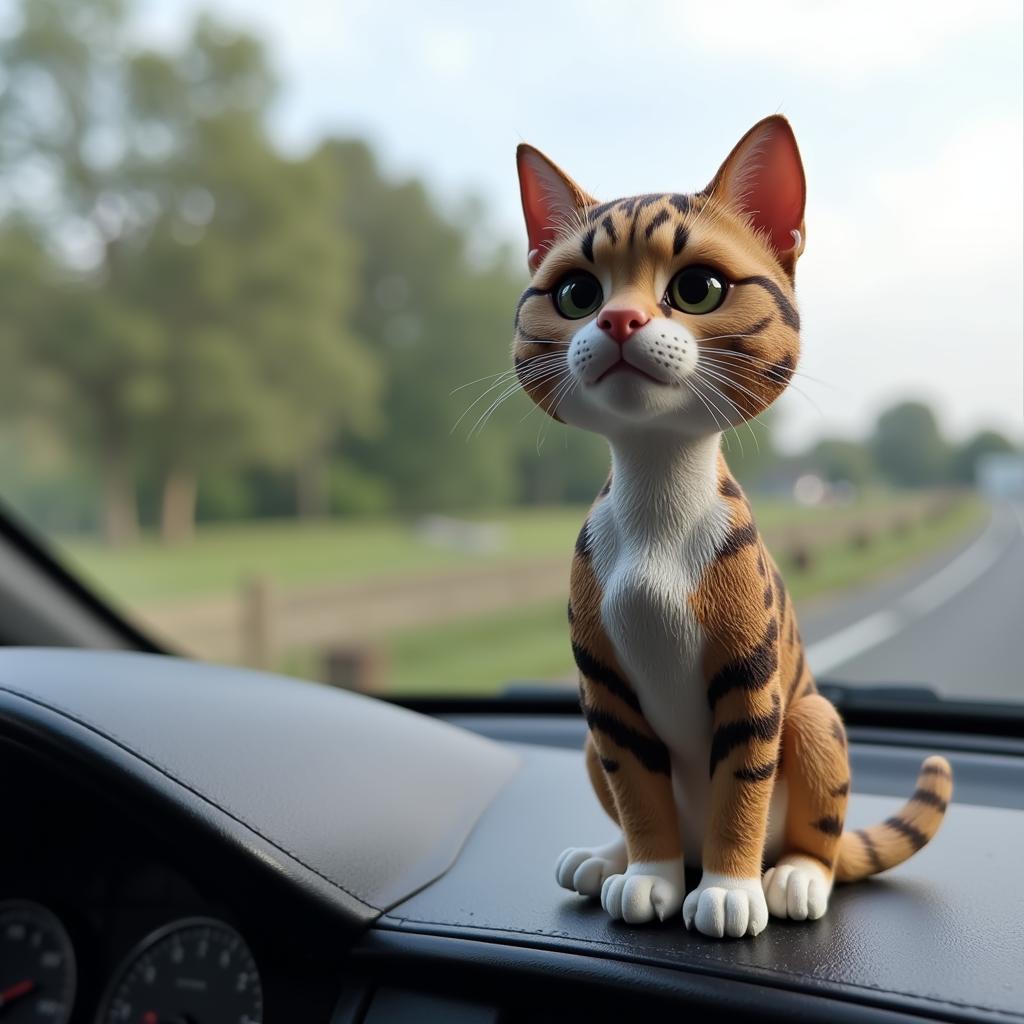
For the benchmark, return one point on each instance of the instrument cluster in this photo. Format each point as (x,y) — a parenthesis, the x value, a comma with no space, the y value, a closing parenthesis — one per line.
(195,969)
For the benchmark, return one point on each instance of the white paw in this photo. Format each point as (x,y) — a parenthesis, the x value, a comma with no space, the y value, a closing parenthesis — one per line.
(644,892)
(584,870)
(797,890)
(722,906)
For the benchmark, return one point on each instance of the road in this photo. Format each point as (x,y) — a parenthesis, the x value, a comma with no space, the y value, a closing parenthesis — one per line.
(954,623)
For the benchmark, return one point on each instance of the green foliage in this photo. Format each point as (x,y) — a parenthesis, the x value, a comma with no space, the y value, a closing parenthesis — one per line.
(837,459)
(184,304)
(201,323)
(908,448)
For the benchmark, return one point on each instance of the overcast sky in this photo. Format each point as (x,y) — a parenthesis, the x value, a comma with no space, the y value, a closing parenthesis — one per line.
(908,114)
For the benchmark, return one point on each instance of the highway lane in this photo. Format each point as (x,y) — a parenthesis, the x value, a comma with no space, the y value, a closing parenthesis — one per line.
(954,623)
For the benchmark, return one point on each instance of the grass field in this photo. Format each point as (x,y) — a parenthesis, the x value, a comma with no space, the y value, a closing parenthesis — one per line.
(482,655)
(291,553)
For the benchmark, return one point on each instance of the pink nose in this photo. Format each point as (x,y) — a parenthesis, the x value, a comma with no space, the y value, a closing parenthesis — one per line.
(620,324)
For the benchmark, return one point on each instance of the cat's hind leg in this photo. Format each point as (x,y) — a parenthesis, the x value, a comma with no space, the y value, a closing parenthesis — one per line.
(584,869)
(816,767)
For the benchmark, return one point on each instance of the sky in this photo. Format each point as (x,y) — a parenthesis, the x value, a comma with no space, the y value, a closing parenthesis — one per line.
(908,114)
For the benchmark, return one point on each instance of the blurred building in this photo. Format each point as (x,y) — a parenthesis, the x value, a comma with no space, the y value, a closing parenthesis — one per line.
(1000,475)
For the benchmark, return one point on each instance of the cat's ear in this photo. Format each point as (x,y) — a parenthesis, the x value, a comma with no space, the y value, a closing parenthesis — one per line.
(763,179)
(551,199)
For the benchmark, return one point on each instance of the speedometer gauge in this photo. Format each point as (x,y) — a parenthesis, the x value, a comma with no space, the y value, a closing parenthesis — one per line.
(37,965)
(197,970)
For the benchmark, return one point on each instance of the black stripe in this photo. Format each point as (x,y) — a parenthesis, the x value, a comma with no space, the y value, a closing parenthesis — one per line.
(782,371)
(596,672)
(587,245)
(843,790)
(610,228)
(526,337)
(656,223)
(609,765)
(915,835)
(751,672)
(869,845)
(769,596)
(777,576)
(595,213)
(831,826)
(935,769)
(758,774)
(745,331)
(570,613)
(642,202)
(679,240)
(528,294)
(789,314)
(926,796)
(606,490)
(729,488)
(733,734)
(650,752)
(583,540)
(796,676)
(739,538)
(680,202)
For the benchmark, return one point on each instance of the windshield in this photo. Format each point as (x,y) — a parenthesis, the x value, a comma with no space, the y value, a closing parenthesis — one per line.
(259,265)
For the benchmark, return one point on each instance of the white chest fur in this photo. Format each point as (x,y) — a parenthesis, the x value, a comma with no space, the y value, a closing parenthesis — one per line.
(651,540)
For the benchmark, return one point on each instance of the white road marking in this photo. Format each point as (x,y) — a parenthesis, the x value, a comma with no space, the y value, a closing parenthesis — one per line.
(965,569)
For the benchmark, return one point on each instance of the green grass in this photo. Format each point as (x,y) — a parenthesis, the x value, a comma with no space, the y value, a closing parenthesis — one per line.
(481,655)
(290,553)
(293,553)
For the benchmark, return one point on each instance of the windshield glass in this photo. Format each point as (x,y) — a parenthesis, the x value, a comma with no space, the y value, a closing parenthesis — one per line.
(259,265)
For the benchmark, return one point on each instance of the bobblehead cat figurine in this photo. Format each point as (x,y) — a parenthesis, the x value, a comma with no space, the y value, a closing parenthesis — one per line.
(658,321)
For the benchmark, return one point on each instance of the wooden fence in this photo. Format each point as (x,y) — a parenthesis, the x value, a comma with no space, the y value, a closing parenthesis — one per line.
(345,621)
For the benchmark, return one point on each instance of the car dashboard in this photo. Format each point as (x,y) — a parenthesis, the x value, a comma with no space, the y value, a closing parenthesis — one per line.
(210,845)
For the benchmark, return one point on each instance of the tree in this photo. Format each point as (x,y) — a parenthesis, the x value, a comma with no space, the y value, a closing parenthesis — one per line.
(200,323)
(966,457)
(437,318)
(908,448)
(837,459)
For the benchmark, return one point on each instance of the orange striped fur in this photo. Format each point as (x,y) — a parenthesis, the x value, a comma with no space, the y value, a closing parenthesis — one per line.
(708,742)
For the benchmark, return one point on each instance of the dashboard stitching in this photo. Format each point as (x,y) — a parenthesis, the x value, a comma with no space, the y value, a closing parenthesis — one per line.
(659,960)
(125,746)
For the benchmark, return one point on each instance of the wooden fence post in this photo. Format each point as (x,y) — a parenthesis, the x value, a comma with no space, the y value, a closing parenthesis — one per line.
(256,623)
(362,668)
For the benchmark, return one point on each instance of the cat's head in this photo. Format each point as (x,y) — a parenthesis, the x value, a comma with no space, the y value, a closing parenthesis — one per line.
(668,311)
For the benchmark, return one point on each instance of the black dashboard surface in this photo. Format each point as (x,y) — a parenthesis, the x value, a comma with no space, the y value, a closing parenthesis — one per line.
(269,795)
(357,801)
(940,935)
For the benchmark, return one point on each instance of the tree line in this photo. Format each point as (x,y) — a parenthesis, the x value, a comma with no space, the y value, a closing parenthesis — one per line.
(906,448)
(195,324)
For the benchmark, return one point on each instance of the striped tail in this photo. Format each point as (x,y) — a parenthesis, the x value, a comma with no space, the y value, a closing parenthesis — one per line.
(880,847)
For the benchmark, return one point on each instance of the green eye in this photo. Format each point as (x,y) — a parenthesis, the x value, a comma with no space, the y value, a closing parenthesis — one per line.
(578,295)
(697,290)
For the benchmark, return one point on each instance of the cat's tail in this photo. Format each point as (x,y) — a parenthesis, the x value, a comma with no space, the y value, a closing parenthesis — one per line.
(870,850)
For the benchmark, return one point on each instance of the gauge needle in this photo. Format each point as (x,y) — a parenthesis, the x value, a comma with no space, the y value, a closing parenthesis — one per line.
(16,991)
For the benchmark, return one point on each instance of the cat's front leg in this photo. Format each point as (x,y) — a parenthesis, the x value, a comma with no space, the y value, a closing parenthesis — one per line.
(638,769)
(730,899)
